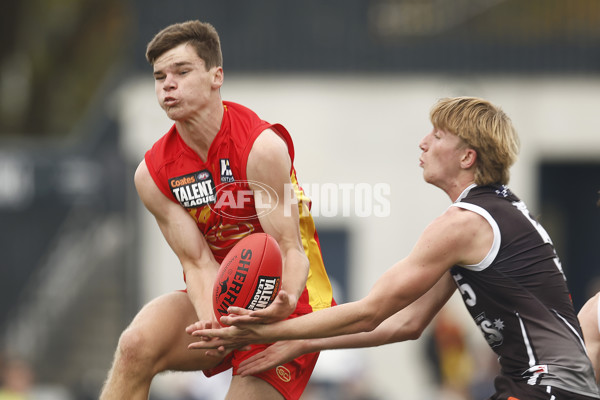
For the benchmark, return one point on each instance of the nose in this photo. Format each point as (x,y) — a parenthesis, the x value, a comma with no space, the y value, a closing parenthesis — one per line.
(423,143)
(169,83)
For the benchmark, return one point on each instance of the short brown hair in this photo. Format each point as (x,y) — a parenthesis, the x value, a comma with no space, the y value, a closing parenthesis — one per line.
(201,35)
(486,129)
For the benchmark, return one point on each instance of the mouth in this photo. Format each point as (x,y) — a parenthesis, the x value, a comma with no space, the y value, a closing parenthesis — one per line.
(170,101)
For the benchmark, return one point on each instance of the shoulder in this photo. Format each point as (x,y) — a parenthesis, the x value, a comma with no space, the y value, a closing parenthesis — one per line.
(461,217)
(267,144)
(142,177)
(455,224)
(463,236)
(268,151)
(269,158)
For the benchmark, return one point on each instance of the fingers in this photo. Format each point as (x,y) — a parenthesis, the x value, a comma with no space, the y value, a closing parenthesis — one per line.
(212,344)
(251,365)
(238,311)
(212,324)
(217,353)
(193,327)
(256,364)
(209,333)
(238,320)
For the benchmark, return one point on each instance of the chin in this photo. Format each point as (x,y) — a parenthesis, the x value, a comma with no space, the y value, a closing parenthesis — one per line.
(426,178)
(174,115)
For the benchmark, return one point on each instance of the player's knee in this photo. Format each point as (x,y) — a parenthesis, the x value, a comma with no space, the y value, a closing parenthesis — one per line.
(135,349)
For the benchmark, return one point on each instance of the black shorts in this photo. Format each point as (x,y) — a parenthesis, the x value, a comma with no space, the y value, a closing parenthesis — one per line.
(507,389)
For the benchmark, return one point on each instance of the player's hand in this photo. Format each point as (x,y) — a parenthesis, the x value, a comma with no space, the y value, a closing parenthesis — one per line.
(276,354)
(227,338)
(213,344)
(212,324)
(281,308)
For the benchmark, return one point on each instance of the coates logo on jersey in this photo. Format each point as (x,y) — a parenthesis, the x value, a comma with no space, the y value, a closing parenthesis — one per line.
(244,200)
(194,190)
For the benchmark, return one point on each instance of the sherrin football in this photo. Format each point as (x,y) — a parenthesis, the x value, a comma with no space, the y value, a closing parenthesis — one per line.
(249,276)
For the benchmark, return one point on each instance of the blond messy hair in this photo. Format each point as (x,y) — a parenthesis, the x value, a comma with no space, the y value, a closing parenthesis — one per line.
(486,129)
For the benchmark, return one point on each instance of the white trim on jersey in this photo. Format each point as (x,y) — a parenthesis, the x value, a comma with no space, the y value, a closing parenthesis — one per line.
(526,342)
(491,255)
(573,329)
(465,192)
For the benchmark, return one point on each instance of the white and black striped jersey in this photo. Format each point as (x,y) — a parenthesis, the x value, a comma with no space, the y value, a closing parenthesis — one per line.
(519,298)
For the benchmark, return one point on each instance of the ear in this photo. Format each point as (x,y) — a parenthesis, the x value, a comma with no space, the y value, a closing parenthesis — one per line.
(217,78)
(468,159)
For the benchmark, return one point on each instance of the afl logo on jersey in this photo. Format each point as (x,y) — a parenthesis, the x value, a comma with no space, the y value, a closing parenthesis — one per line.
(203,175)
(244,200)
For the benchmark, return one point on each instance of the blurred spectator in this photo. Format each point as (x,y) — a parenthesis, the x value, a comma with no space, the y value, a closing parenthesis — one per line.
(454,359)
(17,380)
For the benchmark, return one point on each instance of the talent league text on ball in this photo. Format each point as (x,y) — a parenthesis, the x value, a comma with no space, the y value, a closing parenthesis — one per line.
(263,294)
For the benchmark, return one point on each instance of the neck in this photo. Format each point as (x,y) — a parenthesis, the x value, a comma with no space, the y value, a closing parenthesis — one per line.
(455,189)
(199,131)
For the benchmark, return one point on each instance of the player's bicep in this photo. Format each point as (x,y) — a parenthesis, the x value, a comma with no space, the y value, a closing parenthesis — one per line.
(147,189)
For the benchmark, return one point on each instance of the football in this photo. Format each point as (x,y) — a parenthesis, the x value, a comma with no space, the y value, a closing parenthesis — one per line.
(249,276)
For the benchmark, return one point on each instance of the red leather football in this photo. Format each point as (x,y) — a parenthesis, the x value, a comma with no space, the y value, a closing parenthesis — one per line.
(249,276)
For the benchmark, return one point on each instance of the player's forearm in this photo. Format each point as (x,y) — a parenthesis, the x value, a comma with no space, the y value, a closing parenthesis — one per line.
(385,333)
(200,283)
(352,341)
(339,320)
(295,272)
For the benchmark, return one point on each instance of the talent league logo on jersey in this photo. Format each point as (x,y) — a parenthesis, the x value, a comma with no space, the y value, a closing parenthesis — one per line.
(194,190)
(226,174)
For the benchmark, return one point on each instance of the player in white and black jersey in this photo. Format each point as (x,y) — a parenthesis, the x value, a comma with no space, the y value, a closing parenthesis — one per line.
(517,295)
(486,244)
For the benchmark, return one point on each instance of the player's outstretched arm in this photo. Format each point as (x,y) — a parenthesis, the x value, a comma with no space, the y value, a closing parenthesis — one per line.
(388,296)
(439,248)
(407,324)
